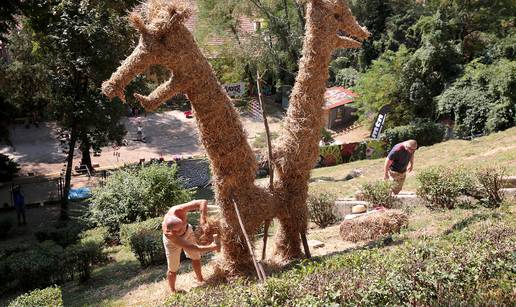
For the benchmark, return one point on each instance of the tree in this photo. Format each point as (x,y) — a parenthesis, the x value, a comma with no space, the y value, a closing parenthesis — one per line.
(381,85)
(483,100)
(8,11)
(275,47)
(81,43)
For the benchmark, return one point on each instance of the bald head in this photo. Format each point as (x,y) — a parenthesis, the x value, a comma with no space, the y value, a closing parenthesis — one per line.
(412,144)
(173,223)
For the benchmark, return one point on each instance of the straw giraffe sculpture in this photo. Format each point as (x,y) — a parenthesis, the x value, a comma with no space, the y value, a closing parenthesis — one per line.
(164,40)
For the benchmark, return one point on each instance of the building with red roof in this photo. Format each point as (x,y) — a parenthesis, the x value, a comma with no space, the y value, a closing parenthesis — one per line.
(339,111)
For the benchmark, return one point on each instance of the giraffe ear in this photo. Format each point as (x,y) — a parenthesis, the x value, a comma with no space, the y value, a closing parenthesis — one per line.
(137,21)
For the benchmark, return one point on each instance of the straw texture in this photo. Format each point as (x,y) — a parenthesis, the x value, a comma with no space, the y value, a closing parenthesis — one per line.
(373,226)
(297,147)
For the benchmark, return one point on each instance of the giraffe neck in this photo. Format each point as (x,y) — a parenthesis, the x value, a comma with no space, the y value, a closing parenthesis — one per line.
(220,128)
(304,116)
(313,66)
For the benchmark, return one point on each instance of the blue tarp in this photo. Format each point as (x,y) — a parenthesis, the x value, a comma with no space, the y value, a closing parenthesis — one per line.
(79,193)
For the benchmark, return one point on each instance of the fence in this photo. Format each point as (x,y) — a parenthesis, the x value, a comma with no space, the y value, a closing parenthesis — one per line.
(36,190)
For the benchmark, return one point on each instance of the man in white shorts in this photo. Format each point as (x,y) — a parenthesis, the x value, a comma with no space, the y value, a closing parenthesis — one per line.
(178,235)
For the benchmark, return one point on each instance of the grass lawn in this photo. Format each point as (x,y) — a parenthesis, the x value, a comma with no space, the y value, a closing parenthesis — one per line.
(498,149)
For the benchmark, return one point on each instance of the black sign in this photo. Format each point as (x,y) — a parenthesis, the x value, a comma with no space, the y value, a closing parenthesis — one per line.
(380,120)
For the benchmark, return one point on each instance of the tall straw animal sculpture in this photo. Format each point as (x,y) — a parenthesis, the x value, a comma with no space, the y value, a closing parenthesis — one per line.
(327,23)
(164,40)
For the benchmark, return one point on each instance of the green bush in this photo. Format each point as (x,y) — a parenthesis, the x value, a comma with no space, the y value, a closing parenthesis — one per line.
(48,263)
(36,267)
(378,193)
(145,241)
(425,133)
(8,168)
(48,297)
(137,194)
(440,186)
(64,235)
(320,209)
(79,258)
(489,186)
(5,226)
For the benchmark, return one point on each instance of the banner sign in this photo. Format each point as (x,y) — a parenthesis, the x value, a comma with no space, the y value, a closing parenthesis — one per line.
(380,120)
(235,89)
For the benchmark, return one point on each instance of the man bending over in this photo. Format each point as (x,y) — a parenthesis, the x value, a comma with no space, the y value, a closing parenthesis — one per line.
(398,162)
(178,235)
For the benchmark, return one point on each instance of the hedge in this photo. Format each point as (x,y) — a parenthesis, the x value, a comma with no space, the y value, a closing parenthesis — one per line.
(48,297)
(425,133)
(49,263)
(145,241)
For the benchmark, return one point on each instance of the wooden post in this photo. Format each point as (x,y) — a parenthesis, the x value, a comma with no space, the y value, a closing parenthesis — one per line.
(257,266)
(267,133)
(265,236)
(305,245)
(271,170)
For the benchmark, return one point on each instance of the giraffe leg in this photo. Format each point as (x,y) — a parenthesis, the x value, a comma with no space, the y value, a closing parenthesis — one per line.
(159,95)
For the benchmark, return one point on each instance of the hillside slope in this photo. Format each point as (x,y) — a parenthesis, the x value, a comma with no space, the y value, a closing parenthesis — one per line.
(423,265)
(498,149)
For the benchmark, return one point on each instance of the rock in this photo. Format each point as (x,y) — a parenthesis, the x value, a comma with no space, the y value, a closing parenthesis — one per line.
(315,244)
(509,181)
(344,207)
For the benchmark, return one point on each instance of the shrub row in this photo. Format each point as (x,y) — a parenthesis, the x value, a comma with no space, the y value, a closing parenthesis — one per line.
(378,193)
(441,187)
(425,133)
(320,209)
(63,235)
(467,268)
(48,297)
(145,241)
(48,263)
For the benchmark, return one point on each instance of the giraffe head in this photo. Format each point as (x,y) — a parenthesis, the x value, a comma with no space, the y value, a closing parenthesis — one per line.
(336,16)
(155,18)
(160,24)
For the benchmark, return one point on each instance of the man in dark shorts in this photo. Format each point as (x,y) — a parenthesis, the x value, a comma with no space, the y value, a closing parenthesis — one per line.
(398,162)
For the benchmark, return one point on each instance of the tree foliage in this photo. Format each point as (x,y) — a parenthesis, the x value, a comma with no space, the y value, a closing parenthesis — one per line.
(434,59)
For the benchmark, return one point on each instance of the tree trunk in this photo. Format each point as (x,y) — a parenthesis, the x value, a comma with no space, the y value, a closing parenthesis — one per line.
(86,156)
(68,175)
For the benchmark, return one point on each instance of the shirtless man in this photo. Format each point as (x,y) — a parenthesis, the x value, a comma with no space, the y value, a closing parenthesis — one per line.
(178,235)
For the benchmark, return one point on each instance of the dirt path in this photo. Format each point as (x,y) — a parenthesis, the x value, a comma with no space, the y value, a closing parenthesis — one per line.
(167,134)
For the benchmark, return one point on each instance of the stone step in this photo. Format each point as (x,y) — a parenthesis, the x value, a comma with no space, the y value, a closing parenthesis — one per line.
(509,181)
(509,192)
(343,207)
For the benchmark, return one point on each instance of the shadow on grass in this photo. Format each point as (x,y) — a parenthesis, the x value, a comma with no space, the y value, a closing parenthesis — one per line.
(477,217)
(113,281)
(325,178)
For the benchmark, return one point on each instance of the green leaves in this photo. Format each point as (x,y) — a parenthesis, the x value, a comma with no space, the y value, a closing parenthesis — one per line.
(133,195)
